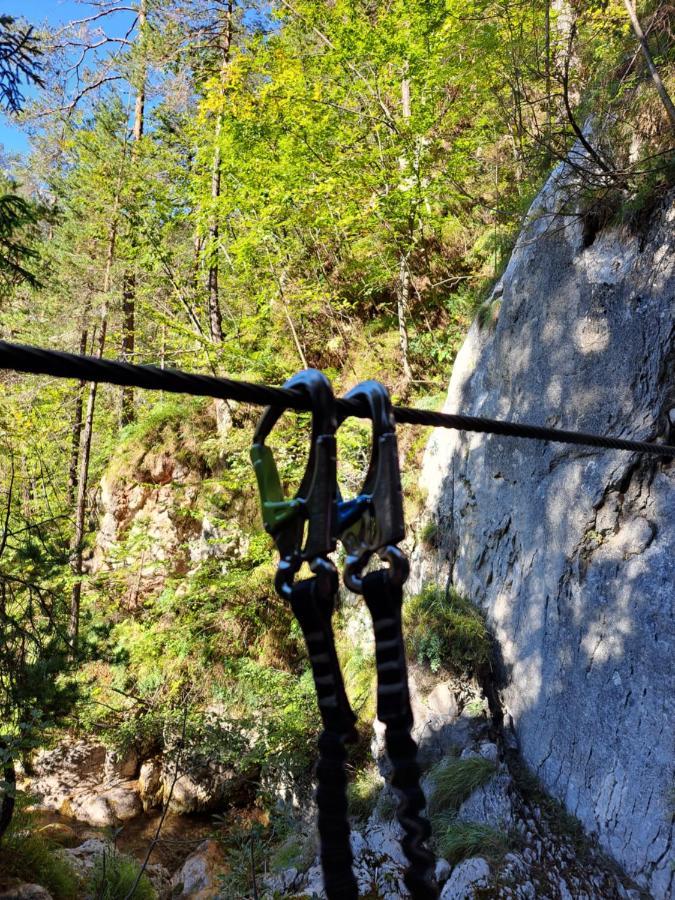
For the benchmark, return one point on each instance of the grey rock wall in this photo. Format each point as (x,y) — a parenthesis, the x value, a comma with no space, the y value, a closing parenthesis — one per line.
(571,550)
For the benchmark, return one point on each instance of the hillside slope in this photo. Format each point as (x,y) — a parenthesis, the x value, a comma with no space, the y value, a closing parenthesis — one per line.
(571,551)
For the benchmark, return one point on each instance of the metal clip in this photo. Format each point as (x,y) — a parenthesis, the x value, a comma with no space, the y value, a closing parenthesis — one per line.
(304,527)
(373,522)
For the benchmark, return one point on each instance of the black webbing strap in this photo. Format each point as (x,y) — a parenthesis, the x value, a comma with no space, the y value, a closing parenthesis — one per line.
(384,601)
(314,610)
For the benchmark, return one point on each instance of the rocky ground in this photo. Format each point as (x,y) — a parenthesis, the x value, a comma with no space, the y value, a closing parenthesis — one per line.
(528,847)
(544,855)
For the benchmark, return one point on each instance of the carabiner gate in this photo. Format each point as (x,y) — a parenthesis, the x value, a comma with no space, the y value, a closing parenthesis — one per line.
(373,522)
(304,527)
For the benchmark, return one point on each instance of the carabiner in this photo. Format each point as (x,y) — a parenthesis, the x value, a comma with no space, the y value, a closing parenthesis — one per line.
(304,527)
(373,521)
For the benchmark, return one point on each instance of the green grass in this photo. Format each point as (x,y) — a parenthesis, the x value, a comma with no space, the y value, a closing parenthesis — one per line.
(455,780)
(363,793)
(113,877)
(297,852)
(29,856)
(456,841)
(446,631)
(429,534)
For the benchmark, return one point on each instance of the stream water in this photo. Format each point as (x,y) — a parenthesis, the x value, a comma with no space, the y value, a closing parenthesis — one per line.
(179,835)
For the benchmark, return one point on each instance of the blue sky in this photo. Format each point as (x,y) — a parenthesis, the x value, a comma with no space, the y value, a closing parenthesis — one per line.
(37,12)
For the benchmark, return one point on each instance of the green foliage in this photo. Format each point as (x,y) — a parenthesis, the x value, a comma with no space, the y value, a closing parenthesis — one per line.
(446,631)
(456,841)
(28,856)
(429,533)
(455,780)
(114,876)
(298,851)
(363,793)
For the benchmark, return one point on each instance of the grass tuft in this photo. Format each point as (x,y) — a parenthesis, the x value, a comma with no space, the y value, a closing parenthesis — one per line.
(114,876)
(455,780)
(462,840)
(29,856)
(363,793)
(446,631)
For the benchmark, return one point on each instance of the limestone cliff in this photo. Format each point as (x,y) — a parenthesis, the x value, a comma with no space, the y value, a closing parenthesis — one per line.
(570,551)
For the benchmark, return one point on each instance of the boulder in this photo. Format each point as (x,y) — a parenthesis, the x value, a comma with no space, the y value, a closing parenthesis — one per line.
(84,858)
(150,786)
(81,780)
(466,879)
(199,876)
(55,775)
(491,804)
(25,892)
(204,787)
(120,766)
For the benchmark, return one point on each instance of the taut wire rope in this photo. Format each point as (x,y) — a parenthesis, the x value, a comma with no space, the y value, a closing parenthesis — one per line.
(59,364)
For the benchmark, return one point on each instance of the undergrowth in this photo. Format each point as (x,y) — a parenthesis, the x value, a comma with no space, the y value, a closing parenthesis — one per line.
(27,855)
(446,631)
(455,780)
(363,793)
(456,841)
(114,876)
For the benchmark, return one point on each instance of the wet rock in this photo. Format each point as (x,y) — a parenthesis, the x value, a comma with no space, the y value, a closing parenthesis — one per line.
(466,878)
(199,876)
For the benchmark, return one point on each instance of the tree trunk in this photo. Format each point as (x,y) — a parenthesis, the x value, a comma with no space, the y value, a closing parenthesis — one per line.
(215,316)
(129,294)
(76,557)
(403,286)
(76,431)
(402,302)
(8,794)
(653,71)
(128,340)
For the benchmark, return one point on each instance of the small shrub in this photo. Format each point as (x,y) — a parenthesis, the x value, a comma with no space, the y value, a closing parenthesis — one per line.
(297,852)
(446,631)
(363,793)
(429,534)
(114,876)
(387,804)
(29,856)
(461,840)
(457,779)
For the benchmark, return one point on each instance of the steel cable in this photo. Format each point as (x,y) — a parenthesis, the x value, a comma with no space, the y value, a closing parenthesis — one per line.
(57,363)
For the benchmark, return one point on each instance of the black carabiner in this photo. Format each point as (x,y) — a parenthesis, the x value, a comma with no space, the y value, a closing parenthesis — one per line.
(304,529)
(373,523)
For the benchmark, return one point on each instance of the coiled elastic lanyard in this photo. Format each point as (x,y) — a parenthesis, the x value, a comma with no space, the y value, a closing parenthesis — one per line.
(373,523)
(312,515)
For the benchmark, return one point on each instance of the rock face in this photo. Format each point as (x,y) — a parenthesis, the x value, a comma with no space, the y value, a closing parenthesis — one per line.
(199,877)
(570,551)
(86,782)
